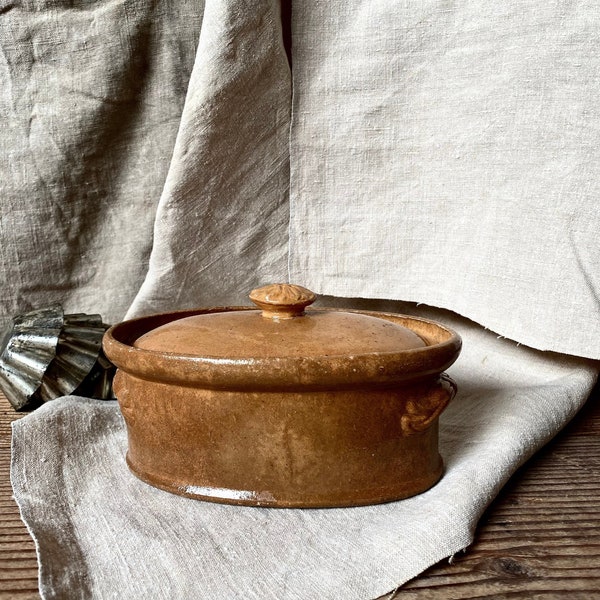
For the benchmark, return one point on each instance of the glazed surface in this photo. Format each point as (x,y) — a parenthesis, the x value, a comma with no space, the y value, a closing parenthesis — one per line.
(238,334)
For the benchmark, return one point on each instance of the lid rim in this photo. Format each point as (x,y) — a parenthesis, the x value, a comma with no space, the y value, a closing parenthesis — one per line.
(373,368)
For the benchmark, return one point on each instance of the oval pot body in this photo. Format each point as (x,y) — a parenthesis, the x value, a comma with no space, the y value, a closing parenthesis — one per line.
(316,432)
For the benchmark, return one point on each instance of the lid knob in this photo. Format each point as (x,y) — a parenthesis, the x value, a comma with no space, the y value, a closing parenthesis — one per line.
(282,300)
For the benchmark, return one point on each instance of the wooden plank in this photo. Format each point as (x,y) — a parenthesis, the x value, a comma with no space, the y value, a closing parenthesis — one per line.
(18,561)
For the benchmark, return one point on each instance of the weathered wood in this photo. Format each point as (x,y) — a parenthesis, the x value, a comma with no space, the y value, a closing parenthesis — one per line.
(18,563)
(540,538)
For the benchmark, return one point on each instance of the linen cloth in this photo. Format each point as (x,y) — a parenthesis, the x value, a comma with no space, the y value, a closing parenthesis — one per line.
(91,95)
(447,153)
(222,221)
(101,533)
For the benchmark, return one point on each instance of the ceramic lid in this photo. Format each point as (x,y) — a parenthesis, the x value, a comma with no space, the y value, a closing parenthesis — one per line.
(281,328)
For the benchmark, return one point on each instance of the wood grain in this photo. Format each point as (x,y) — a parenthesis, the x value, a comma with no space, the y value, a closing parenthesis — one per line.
(540,539)
(18,563)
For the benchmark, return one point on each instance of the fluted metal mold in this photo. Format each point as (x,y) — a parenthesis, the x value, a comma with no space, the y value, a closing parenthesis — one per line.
(46,354)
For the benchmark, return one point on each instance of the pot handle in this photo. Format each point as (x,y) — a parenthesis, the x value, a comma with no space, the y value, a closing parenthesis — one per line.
(122,394)
(282,300)
(421,413)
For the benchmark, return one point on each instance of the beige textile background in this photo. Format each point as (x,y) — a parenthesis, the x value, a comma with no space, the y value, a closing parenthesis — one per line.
(440,153)
(447,153)
(91,95)
(222,220)
(117,168)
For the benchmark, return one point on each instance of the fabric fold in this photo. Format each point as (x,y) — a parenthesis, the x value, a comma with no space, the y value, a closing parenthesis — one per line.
(100,531)
(91,96)
(222,220)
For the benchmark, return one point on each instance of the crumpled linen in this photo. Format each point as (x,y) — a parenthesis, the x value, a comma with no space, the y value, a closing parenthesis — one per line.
(102,533)
(439,154)
(91,96)
(222,220)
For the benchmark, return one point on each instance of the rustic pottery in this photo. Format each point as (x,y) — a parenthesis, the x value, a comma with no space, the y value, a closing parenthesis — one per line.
(284,407)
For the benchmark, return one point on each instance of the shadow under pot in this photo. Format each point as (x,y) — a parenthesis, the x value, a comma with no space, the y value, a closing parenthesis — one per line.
(281,406)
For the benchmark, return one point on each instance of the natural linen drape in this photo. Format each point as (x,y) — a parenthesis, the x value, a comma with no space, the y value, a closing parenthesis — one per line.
(448,154)
(440,154)
(160,154)
(91,95)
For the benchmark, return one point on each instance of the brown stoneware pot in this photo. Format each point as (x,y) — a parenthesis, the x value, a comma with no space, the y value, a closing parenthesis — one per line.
(282,406)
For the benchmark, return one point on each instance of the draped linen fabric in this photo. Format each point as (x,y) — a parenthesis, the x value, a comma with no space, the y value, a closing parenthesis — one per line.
(102,533)
(447,153)
(222,221)
(91,95)
(154,156)
(440,153)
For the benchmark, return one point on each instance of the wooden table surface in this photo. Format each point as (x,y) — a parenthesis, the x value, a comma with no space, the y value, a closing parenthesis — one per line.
(539,539)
